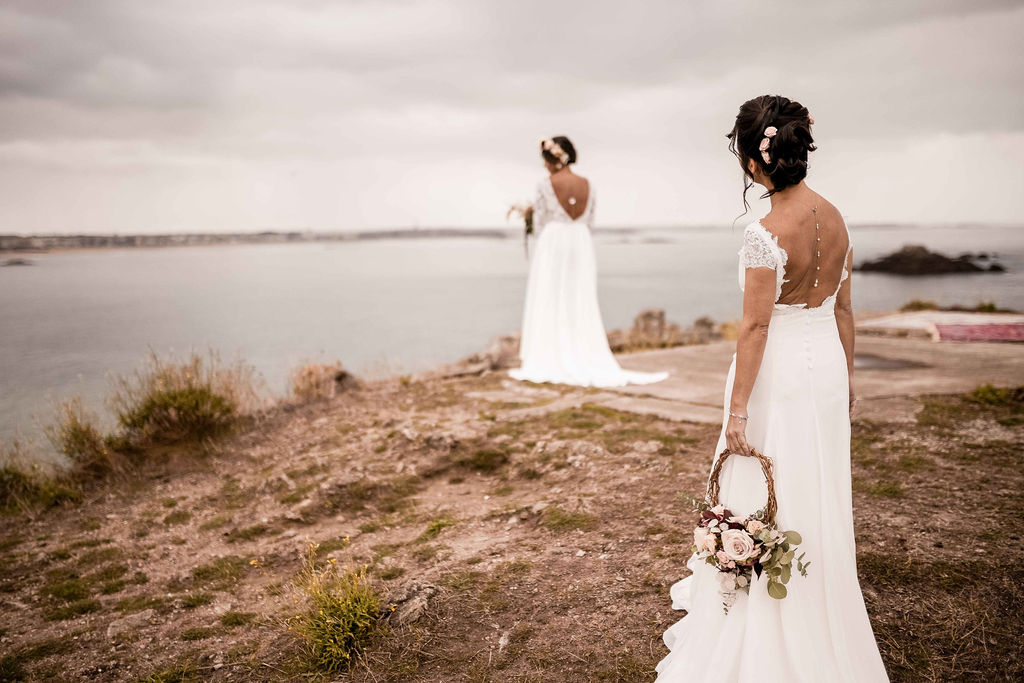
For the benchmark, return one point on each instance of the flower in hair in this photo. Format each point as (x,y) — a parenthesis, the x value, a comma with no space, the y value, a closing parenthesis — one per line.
(555,149)
(769,133)
(810,119)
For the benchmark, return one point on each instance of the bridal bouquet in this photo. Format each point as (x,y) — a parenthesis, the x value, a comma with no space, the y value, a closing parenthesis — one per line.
(525,211)
(741,548)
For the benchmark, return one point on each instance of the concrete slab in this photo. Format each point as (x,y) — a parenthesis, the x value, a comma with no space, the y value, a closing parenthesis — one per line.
(887,368)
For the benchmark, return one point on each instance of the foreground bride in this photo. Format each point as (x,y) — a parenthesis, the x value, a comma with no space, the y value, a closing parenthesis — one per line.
(789,396)
(563,338)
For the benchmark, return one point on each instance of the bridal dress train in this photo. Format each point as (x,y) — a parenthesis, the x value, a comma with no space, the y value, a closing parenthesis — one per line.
(563,338)
(799,417)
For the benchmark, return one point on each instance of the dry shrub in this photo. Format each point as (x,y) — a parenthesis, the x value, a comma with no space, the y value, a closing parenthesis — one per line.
(318,381)
(343,613)
(169,402)
(25,486)
(76,436)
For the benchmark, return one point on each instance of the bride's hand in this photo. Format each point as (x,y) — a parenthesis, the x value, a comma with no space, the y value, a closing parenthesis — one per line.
(853,399)
(736,436)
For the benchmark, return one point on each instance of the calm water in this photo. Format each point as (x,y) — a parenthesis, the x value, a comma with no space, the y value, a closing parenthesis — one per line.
(384,307)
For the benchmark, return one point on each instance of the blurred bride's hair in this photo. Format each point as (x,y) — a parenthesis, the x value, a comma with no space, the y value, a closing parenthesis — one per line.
(558,150)
(781,153)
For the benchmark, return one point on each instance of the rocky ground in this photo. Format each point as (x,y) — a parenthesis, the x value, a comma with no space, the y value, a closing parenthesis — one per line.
(525,533)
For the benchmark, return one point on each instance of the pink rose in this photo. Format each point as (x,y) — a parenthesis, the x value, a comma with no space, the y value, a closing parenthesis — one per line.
(724,560)
(770,131)
(753,526)
(764,144)
(737,545)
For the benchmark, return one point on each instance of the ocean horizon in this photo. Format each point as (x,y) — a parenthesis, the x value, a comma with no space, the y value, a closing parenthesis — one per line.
(77,317)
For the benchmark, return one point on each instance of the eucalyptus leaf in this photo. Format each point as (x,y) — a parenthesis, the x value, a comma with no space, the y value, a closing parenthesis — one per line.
(777,590)
(794,538)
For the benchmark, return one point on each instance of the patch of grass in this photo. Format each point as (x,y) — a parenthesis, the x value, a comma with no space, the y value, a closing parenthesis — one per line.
(232,619)
(485,459)
(12,666)
(425,553)
(884,487)
(97,556)
(370,527)
(199,633)
(382,550)
(68,589)
(248,533)
(529,473)
(391,573)
(987,394)
(919,305)
(559,520)
(333,544)
(109,573)
(198,599)
(502,491)
(342,616)
(435,528)
(139,603)
(462,581)
(223,570)
(185,672)
(387,496)
(216,522)
(178,517)
(72,610)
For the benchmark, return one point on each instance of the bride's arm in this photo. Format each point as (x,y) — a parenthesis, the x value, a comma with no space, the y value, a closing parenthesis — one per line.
(758,302)
(844,321)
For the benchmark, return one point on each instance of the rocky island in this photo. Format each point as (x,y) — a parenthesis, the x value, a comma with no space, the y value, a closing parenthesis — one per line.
(915,259)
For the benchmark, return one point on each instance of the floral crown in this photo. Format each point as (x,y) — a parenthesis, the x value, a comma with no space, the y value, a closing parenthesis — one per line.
(769,133)
(555,149)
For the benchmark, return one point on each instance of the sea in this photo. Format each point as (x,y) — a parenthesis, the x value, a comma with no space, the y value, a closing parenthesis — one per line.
(73,320)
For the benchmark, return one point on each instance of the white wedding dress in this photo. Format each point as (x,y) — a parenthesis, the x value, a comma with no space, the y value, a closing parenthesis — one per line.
(563,338)
(799,417)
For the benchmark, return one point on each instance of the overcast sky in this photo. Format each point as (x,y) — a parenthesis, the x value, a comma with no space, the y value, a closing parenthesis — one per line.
(128,116)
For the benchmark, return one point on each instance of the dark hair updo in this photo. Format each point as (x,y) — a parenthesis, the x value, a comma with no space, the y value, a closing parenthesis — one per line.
(567,147)
(787,149)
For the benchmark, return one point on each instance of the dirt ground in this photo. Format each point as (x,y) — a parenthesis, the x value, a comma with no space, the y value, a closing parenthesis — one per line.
(551,528)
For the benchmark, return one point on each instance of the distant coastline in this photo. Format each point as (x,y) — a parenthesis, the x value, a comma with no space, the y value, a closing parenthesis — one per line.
(37,243)
(10,243)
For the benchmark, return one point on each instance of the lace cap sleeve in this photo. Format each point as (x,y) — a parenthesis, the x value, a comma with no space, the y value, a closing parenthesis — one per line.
(756,252)
(541,206)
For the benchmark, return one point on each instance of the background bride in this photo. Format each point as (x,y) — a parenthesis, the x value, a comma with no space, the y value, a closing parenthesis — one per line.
(563,337)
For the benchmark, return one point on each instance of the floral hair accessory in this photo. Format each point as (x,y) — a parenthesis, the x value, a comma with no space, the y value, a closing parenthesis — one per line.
(810,119)
(549,145)
(769,133)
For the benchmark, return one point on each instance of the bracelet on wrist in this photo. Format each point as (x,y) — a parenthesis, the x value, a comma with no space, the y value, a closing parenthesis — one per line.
(738,416)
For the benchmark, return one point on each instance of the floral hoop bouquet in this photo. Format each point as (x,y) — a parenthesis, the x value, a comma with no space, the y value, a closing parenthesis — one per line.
(743,547)
(525,211)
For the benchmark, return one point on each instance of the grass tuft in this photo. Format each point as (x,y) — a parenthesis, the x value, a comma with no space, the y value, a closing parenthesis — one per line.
(342,617)
(170,402)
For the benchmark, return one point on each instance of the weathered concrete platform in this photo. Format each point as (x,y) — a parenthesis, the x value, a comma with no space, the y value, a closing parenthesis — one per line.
(888,372)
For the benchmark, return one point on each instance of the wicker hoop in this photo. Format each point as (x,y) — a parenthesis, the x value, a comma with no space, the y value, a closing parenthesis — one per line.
(770,507)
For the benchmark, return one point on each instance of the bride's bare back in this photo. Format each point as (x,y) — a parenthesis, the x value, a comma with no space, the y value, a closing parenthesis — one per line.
(812,233)
(572,192)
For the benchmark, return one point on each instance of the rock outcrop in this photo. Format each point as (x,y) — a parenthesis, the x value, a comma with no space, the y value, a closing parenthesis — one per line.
(915,259)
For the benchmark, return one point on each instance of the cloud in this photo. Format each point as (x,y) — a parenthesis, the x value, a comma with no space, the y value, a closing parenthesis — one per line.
(394,108)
